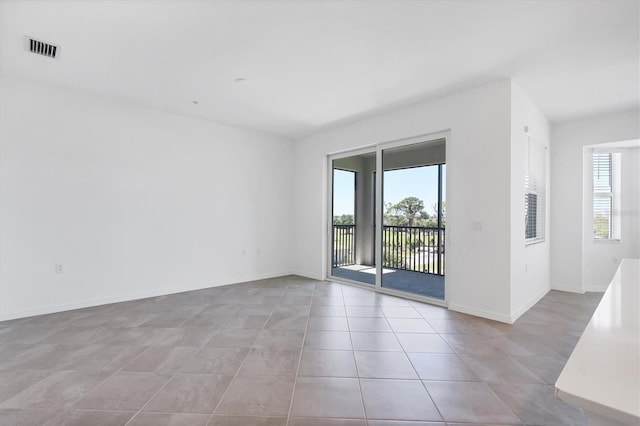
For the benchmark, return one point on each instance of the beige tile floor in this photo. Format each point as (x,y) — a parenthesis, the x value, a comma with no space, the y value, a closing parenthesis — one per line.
(288,351)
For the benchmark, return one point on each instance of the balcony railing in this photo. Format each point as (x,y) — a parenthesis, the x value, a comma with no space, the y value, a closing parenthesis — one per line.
(413,248)
(410,248)
(344,245)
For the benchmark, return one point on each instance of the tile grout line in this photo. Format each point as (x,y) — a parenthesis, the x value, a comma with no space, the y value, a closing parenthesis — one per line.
(93,387)
(414,368)
(240,366)
(174,374)
(376,306)
(465,363)
(295,378)
(506,405)
(103,381)
(53,371)
(353,353)
(461,351)
(409,359)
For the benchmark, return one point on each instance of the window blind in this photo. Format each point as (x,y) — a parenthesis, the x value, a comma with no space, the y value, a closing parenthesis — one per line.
(606,195)
(535,191)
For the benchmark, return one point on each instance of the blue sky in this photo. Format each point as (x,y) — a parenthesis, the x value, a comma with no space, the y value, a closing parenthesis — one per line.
(421,182)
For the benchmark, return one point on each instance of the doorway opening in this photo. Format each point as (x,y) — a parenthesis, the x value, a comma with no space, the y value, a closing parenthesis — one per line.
(389,218)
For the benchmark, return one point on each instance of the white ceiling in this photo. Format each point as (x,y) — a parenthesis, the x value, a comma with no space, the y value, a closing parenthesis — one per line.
(311,64)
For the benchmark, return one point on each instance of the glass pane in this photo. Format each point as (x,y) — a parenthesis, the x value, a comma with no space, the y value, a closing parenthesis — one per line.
(531,215)
(413,219)
(353,239)
(601,217)
(602,172)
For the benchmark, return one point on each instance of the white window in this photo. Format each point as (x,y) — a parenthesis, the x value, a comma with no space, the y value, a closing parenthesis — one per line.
(606,195)
(535,185)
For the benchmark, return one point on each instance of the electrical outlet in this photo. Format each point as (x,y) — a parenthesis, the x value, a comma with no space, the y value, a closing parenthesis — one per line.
(59,268)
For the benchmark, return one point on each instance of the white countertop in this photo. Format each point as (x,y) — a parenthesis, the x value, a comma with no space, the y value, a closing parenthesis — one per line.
(602,374)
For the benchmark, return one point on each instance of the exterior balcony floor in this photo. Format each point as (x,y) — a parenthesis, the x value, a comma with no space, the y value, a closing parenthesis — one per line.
(420,283)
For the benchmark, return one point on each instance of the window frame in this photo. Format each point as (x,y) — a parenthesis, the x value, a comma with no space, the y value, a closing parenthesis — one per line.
(613,195)
(535,183)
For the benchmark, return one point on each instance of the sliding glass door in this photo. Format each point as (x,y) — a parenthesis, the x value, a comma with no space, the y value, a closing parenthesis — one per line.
(352,228)
(388,217)
(413,228)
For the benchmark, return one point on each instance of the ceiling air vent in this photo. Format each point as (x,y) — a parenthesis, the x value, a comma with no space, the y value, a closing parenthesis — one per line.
(41,48)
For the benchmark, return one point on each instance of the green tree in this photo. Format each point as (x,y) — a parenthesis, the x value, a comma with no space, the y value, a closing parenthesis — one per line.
(601,228)
(424,219)
(410,208)
(392,216)
(345,219)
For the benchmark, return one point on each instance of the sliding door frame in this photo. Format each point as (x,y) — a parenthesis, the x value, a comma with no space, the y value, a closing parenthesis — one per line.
(329,221)
(379,213)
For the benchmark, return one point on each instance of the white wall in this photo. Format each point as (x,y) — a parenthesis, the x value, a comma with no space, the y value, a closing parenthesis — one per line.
(136,202)
(569,140)
(478,190)
(601,258)
(530,277)
(133,202)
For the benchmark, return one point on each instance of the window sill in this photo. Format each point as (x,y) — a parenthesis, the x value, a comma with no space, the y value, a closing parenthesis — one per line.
(606,241)
(533,242)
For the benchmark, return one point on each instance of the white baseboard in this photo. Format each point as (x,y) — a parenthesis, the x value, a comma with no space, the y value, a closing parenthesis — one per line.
(595,289)
(578,290)
(524,308)
(496,316)
(308,275)
(80,304)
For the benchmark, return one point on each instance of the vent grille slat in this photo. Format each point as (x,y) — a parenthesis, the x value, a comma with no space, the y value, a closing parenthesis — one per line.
(41,48)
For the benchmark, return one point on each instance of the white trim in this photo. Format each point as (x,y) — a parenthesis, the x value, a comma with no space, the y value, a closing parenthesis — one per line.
(596,289)
(308,275)
(351,153)
(426,137)
(577,290)
(430,137)
(326,193)
(480,313)
(327,241)
(524,308)
(379,215)
(88,303)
